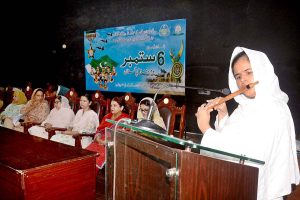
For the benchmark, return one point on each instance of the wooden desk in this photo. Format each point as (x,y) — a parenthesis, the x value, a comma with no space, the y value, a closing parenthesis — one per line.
(34,168)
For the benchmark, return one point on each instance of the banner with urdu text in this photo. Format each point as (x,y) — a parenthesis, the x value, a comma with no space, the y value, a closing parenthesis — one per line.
(139,58)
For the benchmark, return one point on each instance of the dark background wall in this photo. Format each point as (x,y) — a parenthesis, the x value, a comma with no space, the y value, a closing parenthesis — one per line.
(32,40)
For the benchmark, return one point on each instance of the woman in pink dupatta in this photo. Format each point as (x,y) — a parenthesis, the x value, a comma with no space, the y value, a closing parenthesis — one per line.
(36,110)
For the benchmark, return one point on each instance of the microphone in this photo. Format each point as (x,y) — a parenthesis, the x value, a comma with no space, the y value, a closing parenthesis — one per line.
(225,91)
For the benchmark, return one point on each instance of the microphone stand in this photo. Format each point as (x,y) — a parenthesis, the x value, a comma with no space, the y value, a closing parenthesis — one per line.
(153,102)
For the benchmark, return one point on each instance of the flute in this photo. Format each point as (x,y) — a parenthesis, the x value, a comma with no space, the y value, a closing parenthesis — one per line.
(232,95)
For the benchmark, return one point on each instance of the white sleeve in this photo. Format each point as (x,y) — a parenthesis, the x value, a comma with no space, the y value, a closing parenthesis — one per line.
(209,138)
(220,124)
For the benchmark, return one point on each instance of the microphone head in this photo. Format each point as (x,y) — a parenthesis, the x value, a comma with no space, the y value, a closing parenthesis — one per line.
(225,91)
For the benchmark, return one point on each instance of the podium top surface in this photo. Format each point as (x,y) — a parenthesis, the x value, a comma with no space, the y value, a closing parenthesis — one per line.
(185,143)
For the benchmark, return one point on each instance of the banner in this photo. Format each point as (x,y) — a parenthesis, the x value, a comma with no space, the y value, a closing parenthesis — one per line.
(139,58)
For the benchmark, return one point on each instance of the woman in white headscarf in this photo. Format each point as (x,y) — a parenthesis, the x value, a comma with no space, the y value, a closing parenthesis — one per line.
(260,127)
(143,110)
(60,116)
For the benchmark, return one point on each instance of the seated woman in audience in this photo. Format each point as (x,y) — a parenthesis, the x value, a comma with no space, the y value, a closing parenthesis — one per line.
(86,121)
(61,116)
(11,114)
(143,111)
(117,112)
(36,110)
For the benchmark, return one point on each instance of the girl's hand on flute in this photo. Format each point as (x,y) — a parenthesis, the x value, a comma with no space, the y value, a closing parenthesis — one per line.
(222,108)
(203,117)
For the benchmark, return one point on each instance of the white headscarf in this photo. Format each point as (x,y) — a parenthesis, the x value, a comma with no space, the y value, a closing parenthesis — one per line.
(65,102)
(263,71)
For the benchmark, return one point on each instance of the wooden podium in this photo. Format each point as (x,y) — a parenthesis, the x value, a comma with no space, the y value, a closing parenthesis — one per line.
(35,168)
(142,168)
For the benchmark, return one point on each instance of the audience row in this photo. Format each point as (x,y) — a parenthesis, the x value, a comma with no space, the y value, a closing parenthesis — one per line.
(63,122)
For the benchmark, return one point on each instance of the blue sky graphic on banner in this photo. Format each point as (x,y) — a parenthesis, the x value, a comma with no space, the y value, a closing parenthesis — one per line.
(139,58)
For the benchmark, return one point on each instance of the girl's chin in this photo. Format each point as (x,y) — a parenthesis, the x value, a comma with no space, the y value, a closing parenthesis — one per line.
(250,95)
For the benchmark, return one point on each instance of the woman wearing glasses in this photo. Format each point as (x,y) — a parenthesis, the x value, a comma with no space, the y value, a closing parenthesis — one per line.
(143,111)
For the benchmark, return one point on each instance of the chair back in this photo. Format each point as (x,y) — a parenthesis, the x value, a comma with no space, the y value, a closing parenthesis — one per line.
(7,97)
(1,97)
(131,105)
(50,95)
(28,91)
(169,111)
(72,96)
(50,100)
(166,114)
(100,104)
